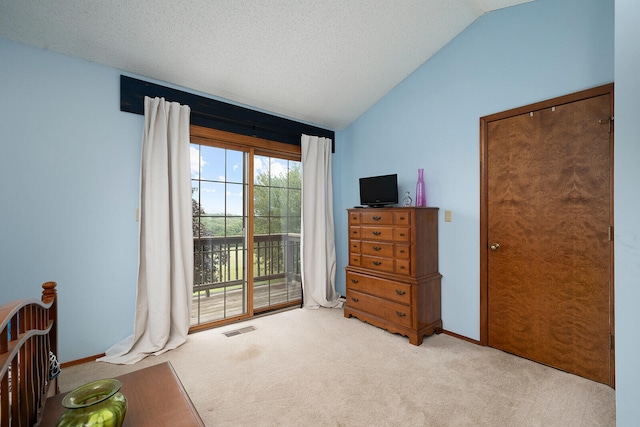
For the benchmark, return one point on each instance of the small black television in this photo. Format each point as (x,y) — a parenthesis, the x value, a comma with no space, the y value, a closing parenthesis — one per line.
(378,191)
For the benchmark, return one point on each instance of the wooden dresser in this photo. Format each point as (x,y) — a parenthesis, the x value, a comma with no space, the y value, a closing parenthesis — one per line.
(392,277)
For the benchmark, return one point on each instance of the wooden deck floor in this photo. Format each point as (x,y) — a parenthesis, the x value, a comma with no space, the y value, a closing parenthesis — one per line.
(222,305)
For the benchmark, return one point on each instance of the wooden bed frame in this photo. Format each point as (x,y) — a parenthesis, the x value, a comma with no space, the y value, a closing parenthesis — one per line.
(28,336)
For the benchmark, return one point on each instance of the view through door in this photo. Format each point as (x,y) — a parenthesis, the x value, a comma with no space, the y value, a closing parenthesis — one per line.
(246,231)
(277,220)
(547,288)
(219,208)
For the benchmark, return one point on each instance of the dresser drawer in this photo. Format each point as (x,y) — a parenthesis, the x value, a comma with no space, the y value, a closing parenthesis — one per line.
(402,251)
(354,246)
(354,218)
(399,314)
(402,218)
(403,266)
(355,260)
(377,249)
(377,217)
(376,233)
(387,289)
(377,263)
(402,234)
(354,232)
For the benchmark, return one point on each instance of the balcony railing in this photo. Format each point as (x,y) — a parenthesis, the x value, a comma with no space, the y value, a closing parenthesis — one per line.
(219,269)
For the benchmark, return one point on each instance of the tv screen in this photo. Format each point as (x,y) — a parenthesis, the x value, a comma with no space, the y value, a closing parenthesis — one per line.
(376,191)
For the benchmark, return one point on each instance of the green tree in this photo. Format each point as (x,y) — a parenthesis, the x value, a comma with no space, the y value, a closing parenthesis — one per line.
(277,199)
(196,212)
(209,257)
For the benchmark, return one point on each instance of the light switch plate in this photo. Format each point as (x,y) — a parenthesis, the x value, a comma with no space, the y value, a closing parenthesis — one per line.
(448,216)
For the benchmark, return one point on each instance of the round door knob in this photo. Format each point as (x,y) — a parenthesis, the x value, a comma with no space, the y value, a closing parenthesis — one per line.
(495,246)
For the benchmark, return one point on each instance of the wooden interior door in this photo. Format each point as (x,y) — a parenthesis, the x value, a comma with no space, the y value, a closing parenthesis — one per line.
(548,216)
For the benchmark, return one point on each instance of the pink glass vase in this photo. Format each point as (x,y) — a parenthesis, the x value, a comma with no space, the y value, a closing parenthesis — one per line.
(421,195)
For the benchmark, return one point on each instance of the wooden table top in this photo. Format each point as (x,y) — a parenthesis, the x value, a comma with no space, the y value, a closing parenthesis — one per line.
(155,397)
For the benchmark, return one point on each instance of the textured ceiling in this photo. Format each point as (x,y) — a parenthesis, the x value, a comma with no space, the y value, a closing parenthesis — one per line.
(324,61)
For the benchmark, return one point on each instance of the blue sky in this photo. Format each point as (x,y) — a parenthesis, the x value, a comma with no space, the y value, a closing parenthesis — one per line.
(221,174)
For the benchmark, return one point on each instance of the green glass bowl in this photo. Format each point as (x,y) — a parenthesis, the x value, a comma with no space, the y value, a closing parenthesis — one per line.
(96,404)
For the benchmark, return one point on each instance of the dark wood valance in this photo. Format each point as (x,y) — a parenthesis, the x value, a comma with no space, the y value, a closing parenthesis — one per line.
(220,115)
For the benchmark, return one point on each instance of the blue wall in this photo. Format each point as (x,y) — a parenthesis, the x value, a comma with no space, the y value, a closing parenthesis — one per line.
(69,170)
(627,206)
(506,59)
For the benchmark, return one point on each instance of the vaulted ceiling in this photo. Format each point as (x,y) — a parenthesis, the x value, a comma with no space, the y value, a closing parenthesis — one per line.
(324,62)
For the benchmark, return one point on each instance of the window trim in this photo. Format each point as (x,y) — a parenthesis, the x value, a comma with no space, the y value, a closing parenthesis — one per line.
(206,136)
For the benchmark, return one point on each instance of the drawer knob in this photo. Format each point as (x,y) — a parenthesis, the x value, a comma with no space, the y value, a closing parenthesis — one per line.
(400,292)
(401,314)
(377,248)
(402,218)
(401,251)
(376,233)
(354,280)
(356,300)
(377,218)
(377,263)
(401,234)
(402,267)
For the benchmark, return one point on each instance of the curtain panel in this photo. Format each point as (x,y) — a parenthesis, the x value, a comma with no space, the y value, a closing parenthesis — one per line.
(318,238)
(165,269)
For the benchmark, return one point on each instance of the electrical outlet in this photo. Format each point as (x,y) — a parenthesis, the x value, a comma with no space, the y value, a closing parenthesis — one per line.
(448,216)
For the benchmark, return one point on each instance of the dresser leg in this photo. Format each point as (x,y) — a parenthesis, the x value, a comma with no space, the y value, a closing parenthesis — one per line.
(415,339)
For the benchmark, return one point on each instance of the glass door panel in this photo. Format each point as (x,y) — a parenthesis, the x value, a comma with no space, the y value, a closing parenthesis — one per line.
(219,206)
(276,233)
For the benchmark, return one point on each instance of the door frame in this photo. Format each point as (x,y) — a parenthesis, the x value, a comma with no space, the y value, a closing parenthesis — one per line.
(484,243)
(252,146)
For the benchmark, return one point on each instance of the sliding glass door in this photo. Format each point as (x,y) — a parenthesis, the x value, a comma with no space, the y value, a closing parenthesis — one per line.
(246,232)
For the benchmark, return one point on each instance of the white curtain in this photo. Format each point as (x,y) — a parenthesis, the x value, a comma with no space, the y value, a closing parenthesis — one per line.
(318,240)
(165,269)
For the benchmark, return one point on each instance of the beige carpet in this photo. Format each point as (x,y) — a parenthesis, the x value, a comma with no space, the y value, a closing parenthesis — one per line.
(316,368)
